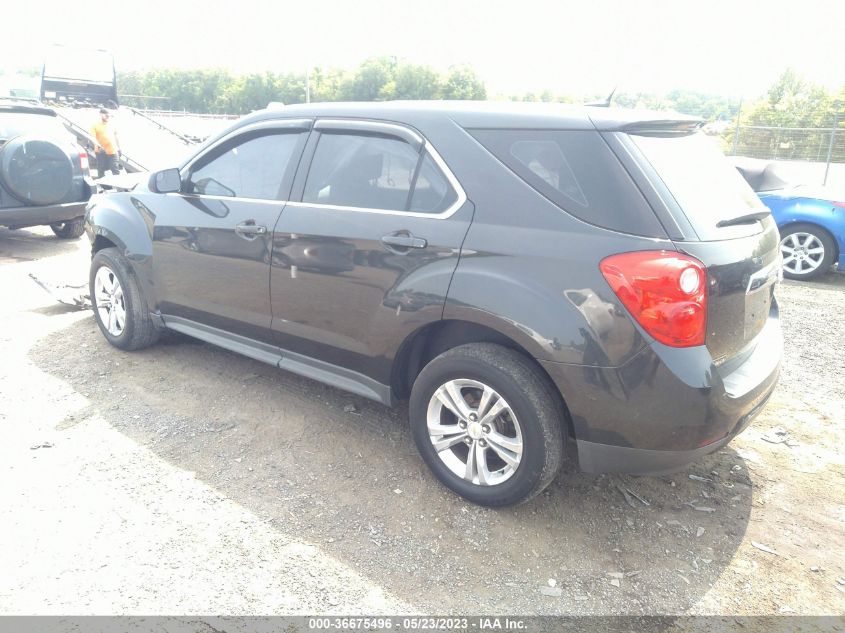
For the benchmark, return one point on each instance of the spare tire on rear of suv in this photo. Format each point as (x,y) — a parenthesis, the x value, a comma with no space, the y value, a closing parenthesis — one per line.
(36,171)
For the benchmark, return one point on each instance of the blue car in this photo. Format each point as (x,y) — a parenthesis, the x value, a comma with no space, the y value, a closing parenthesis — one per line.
(811,220)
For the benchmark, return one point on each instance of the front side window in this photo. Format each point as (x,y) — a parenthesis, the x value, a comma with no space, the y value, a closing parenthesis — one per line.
(375,172)
(252,168)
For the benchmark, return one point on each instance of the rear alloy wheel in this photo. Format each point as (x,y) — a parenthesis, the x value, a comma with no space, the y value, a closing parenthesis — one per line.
(488,423)
(474,432)
(69,230)
(807,251)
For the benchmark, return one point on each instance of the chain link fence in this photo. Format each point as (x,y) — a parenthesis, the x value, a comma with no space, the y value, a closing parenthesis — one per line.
(810,155)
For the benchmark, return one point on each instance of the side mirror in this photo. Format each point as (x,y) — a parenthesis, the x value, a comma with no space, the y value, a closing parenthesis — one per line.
(166,181)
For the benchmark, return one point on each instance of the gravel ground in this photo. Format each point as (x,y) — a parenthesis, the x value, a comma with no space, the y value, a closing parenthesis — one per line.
(184,478)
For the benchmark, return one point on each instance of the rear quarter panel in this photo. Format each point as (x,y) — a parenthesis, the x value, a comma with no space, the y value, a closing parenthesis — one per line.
(531,271)
(788,210)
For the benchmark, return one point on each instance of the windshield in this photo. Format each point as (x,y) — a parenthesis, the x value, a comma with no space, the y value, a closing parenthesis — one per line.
(705,185)
(16,123)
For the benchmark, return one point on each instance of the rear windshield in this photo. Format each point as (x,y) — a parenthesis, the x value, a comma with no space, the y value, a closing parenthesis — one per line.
(577,171)
(16,123)
(703,182)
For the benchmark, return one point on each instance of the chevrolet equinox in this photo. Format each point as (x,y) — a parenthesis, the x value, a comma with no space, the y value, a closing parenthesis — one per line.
(525,275)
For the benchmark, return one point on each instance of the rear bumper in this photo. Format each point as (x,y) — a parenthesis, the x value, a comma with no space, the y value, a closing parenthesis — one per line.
(667,407)
(605,458)
(35,216)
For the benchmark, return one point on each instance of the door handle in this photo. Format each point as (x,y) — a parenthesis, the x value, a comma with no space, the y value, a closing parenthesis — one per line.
(250,229)
(403,240)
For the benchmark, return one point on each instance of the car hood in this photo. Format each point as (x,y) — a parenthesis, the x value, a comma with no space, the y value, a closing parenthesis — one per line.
(123,182)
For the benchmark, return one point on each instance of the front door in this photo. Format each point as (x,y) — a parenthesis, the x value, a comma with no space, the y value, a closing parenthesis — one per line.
(212,242)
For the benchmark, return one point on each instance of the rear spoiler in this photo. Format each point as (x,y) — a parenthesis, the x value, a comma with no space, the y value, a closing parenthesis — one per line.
(667,127)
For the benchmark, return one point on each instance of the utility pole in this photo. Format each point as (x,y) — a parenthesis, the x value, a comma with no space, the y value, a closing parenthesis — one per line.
(736,130)
(307,84)
(837,105)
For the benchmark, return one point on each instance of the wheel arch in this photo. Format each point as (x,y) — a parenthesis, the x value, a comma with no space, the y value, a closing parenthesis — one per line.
(123,222)
(118,219)
(432,339)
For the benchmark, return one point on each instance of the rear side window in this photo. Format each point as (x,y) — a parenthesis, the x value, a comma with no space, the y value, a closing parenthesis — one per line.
(578,172)
(375,172)
(432,192)
(703,182)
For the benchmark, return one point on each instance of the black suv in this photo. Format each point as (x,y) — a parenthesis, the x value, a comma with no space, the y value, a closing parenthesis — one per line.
(525,275)
(44,177)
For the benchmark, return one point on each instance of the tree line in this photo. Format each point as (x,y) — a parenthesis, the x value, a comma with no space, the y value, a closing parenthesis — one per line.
(791,121)
(222,92)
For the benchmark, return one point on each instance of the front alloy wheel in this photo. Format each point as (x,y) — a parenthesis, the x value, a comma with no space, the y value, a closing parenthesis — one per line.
(807,251)
(475,432)
(109,301)
(120,308)
(802,253)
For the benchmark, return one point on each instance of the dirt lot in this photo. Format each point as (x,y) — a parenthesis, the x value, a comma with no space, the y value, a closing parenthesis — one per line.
(184,478)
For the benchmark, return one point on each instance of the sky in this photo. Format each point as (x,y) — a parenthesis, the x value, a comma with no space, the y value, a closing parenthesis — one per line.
(735,48)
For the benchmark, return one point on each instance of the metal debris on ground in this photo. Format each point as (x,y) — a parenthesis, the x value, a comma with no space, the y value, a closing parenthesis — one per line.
(700,478)
(638,497)
(764,548)
(350,408)
(66,294)
(628,498)
(699,532)
(552,592)
(44,445)
(776,436)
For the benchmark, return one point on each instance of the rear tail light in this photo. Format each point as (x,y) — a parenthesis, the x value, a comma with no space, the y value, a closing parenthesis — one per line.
(83,159)
(665,292)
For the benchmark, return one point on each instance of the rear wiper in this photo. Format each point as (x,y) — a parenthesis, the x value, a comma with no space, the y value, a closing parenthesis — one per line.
(744,219)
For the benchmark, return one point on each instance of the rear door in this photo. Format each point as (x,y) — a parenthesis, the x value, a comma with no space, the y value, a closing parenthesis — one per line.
(712,214)
(366,254)
(212,241)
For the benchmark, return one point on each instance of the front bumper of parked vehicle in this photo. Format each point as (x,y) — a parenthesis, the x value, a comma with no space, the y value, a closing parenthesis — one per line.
(667,407)
(19,217)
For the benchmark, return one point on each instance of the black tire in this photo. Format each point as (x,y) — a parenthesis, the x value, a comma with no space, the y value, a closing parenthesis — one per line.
(531,397)
(823,237)
(69,230)
(138,331)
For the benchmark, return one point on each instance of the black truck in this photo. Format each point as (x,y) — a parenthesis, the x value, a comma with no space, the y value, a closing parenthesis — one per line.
(75,76)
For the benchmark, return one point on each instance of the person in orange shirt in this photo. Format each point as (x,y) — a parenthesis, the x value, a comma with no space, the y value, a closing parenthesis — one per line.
(106,144)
